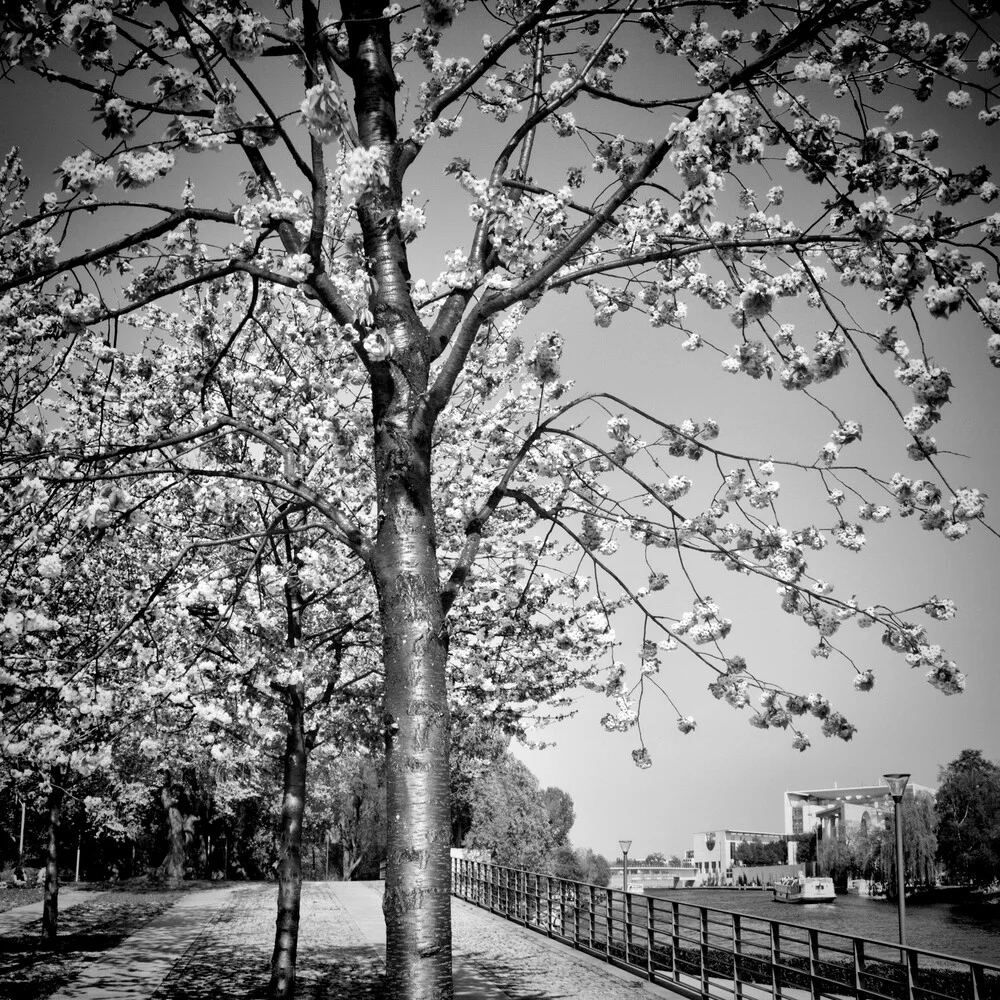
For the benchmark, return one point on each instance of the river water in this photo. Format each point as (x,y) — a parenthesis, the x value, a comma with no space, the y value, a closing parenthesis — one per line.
(967,930)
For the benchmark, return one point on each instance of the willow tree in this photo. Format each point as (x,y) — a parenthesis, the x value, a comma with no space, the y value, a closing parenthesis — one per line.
(625,149)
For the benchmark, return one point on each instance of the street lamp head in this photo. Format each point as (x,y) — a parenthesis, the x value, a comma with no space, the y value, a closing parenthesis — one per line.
(897,785)
(625,845)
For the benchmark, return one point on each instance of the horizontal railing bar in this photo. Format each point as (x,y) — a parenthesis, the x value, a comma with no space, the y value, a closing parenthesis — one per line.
(704,952)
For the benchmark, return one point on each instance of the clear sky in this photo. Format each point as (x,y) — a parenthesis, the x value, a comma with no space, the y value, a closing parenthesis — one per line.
(725,773)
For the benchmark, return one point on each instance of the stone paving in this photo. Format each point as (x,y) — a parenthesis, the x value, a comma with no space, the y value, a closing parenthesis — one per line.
(216,944)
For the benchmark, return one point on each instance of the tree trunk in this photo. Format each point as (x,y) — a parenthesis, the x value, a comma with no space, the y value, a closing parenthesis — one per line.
(417,901)
(173,866)
(293,803)
(50,910)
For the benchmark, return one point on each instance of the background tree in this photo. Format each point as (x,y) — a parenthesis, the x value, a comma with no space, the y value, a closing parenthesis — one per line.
(559,806)
(509,817)
(968,819)
(595,868)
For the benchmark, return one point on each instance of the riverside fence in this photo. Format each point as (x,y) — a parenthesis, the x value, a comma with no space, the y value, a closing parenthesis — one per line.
(701,952)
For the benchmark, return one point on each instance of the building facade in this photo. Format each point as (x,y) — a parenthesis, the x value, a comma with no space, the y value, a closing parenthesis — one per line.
(840,812)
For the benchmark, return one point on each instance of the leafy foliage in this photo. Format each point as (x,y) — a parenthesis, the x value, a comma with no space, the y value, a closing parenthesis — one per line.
(968,819)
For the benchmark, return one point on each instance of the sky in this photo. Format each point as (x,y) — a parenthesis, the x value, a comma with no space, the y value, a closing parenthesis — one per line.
(725,774)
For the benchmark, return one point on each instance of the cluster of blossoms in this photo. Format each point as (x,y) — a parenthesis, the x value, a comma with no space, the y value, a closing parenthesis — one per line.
(361,169)
(606,302)
(117,117)
(87,28)
(703,150)
(732,690)
(324,110)
(849,536)
(137,170)
(829,358)
(671,491)
(953,520)
(753,358)
(703,623)
(627,444)
(239,32)
(411,218)
(874,512)
(83,172)
(624,719)
(941,609)
(193,135)
(739,483)
(178,89)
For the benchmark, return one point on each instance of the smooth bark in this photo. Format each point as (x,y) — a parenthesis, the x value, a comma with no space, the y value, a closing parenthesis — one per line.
(293,803)
(50,908)
(417,902)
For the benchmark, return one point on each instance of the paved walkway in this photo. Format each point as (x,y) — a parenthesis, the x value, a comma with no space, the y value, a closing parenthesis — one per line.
(217,943)
(14,919)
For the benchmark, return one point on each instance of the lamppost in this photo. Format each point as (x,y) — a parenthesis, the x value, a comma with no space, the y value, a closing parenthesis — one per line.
(897,785)
(624,845)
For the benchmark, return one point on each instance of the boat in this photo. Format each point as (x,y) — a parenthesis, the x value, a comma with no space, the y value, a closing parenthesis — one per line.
(804,890)
(859,887)
(635,887)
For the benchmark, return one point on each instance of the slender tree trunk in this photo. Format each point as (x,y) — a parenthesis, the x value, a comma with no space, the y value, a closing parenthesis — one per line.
(173,866)
(50,910)
(293,803)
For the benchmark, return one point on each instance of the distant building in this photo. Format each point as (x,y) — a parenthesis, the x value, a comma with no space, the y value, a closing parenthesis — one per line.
(714,851)
(833,812)
(840,812)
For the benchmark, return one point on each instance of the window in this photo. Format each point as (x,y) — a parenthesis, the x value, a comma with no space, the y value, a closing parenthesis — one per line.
(797,819)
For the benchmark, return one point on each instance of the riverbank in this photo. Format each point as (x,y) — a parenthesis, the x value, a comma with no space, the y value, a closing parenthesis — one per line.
(950,926)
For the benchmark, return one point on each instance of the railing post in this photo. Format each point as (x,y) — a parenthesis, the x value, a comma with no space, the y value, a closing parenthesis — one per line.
(650,930)
(675,939)
(627,925)
(737,951)
(911,973)
(609,907)
(576,915)
(548,906)
(775,956)
(591,917)
(703,913)
(859,968)
(814,984)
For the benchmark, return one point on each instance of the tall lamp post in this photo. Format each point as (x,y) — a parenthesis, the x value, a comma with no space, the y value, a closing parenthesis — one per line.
(624,845)
(897,786)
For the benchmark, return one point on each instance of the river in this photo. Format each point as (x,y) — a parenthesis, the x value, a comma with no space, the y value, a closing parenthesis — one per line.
(967,930)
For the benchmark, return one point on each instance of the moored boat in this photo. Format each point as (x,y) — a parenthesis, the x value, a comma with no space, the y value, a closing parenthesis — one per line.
(804,890)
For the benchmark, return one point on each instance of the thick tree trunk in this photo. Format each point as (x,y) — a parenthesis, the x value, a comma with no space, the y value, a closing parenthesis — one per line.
(50,910)
(173,866)
(293,804)
(417,901)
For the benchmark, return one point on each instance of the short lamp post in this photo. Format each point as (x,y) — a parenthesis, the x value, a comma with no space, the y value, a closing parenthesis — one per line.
(897,786)
(624,845)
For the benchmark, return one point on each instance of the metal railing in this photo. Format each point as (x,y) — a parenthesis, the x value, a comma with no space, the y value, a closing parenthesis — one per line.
(702,952)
